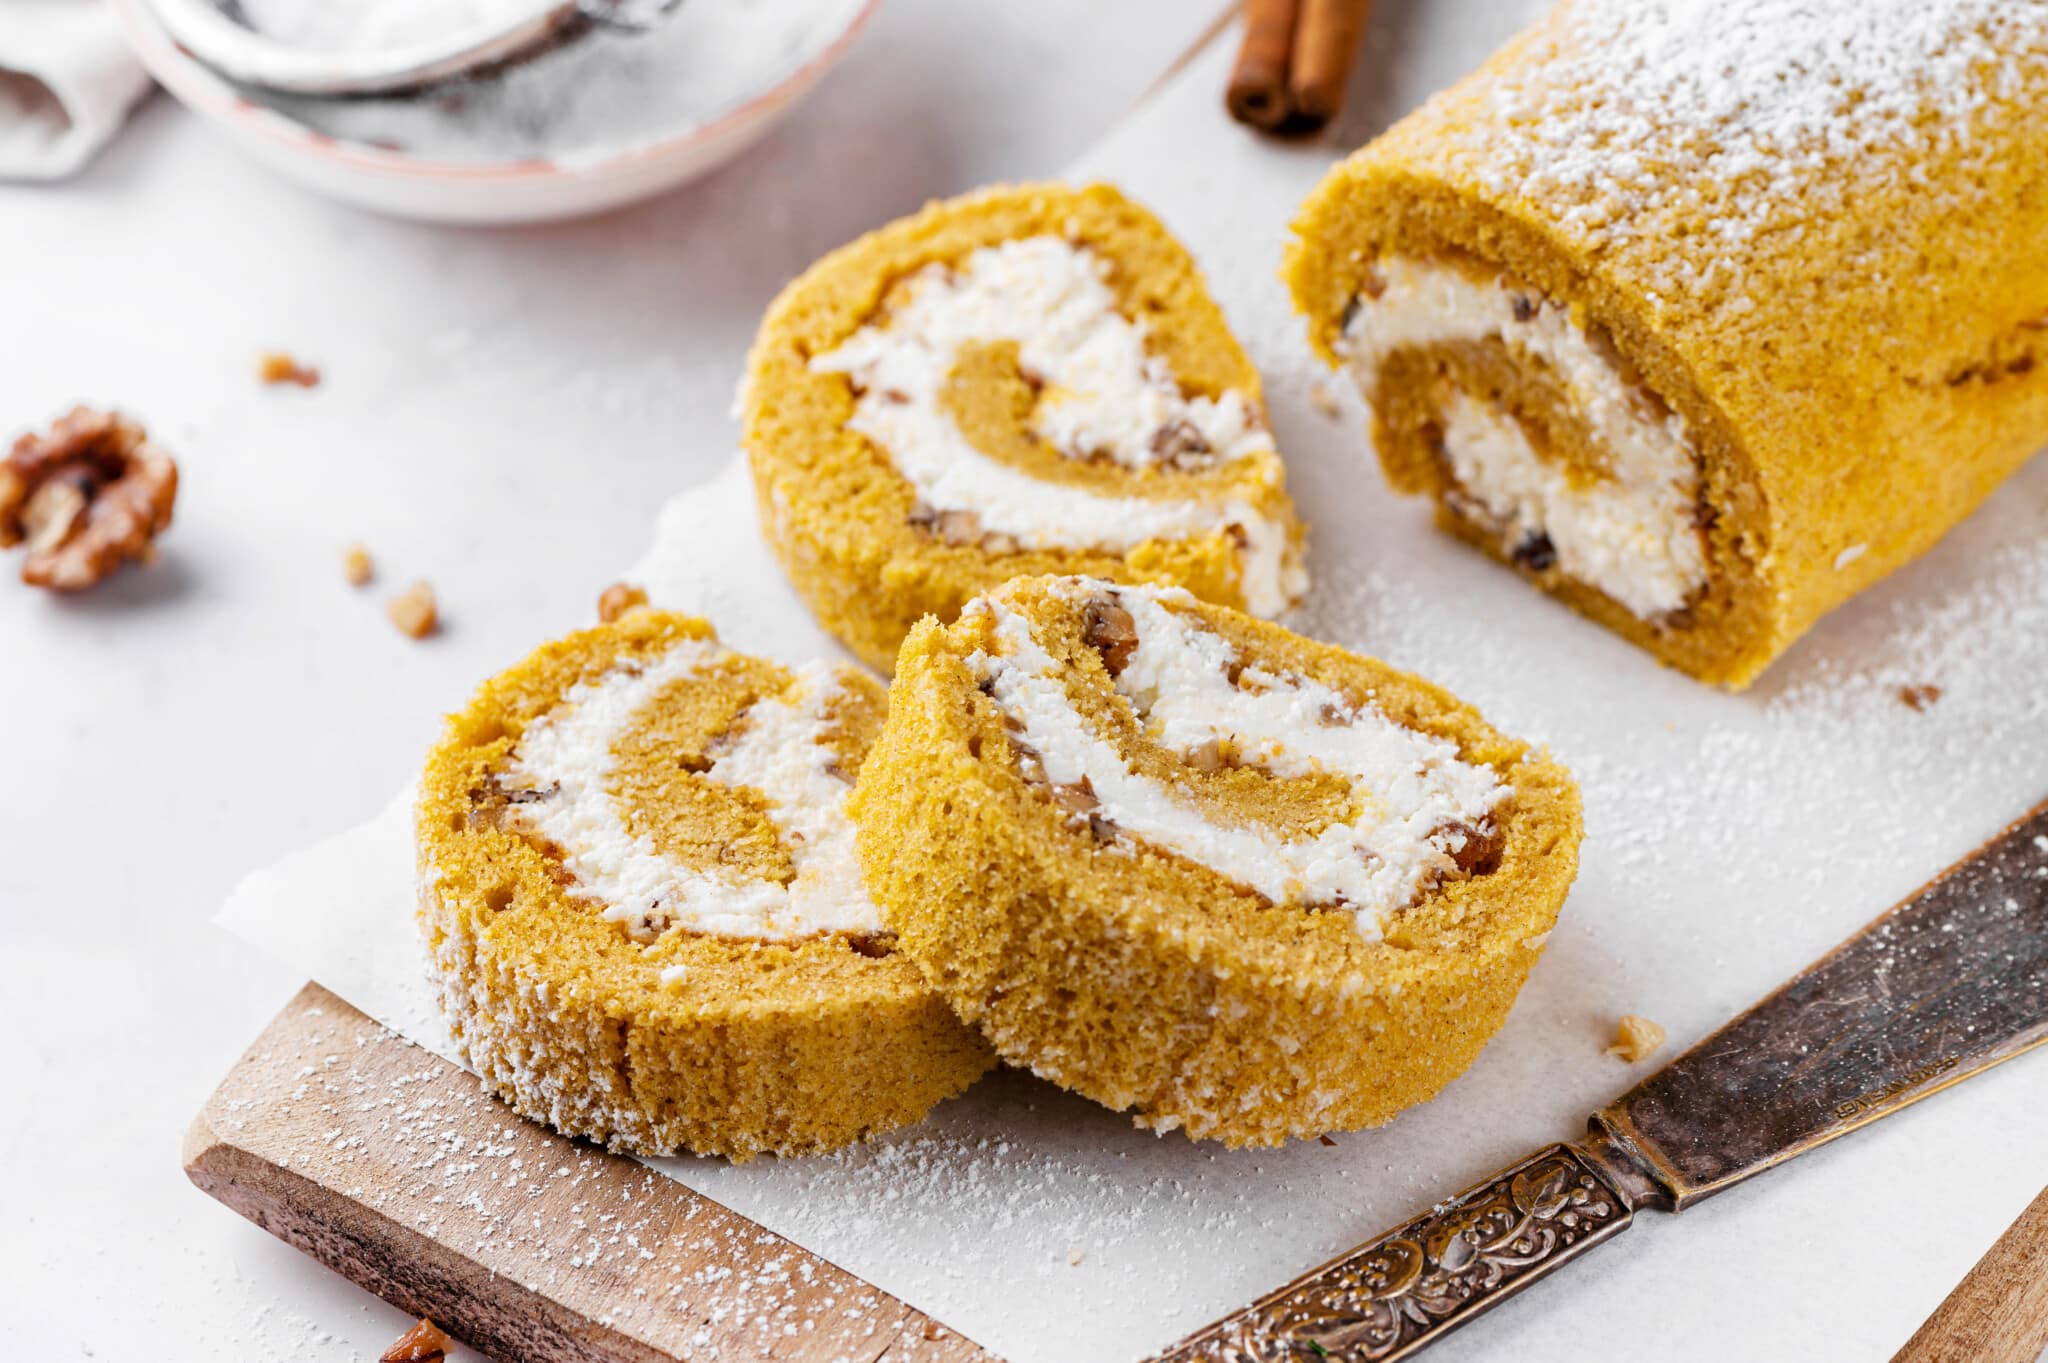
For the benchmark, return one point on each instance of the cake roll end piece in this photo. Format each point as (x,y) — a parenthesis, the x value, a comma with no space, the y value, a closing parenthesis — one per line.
(1703,317)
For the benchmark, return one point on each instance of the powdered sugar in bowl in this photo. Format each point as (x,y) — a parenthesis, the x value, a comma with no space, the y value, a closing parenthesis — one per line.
(605,118)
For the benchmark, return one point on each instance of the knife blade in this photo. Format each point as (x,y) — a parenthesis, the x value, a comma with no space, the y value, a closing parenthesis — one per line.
(1949,982)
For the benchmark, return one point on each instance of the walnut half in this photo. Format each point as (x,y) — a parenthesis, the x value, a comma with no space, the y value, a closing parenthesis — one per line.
(86,497)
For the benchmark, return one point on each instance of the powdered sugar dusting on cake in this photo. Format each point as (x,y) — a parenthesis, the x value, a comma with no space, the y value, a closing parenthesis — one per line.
(1741,115)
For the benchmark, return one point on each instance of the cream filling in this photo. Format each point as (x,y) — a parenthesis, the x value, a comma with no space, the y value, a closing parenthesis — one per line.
(1104,396)
(779,749)
(1632,534)
(1415,796)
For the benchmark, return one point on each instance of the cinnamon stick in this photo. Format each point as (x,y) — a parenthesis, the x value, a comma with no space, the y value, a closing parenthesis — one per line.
(1319,67)
(1257,94)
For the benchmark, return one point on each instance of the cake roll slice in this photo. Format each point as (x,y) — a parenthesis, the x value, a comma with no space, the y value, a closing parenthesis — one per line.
(643,905)
(1704,316)
(1187,863)
(1029,379)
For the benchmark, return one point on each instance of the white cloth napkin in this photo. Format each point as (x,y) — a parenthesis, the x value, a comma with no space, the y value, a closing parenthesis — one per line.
(67,83)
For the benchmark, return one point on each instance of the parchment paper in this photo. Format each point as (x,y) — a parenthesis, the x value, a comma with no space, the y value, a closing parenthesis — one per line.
(1730,840)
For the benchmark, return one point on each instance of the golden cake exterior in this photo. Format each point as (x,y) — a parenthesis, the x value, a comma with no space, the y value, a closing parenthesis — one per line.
(1187,863)
(1751,304)
(1029,379)
(640,900)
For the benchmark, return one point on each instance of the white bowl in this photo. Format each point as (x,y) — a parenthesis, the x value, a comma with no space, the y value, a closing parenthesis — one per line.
(527,190)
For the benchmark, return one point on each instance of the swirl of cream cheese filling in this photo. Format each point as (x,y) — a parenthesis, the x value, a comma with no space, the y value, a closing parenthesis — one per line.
(1632,532)
(779,748)
(1105,396)
(1417,800)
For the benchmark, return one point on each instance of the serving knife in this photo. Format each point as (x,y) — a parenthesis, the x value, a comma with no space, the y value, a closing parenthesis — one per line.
(1948,983)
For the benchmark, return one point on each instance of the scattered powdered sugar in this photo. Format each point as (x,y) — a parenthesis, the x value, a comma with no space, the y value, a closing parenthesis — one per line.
(1764,789)
(1744,117)
(353,1108)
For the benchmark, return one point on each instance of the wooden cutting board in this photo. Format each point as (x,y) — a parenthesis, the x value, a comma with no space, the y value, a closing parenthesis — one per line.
(397,1170)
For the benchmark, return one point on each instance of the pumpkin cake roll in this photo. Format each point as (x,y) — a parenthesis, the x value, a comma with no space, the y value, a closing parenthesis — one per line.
(643,904)
(1704,316)
(1029,379)
(1187,863)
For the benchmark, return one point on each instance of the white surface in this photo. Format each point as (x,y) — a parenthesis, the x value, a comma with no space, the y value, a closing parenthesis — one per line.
(501,413)
(1730,841)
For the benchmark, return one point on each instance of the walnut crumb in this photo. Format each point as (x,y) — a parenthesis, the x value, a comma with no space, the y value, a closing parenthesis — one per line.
(423,1343)
(414,611)
(1324,401)
(274,367)
(90,495)
(1636,1038)
(619,598)
(1917,698)
(357,566)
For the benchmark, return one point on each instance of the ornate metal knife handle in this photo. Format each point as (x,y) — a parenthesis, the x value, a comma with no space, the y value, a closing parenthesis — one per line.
(1948,983)
(1393,1295)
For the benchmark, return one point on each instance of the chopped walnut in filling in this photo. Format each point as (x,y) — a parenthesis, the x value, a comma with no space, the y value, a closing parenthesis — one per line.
(1098,395)
(960,528)
(1422,815)
(1110,631)
(90,495)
